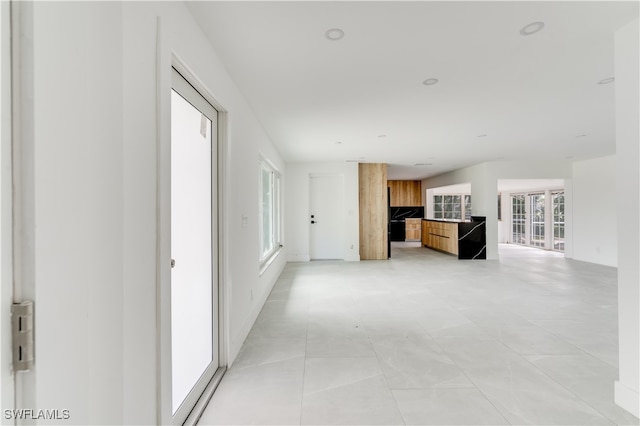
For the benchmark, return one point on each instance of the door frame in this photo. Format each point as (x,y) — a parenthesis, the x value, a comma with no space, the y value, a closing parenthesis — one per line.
(9,153)
(191,96)
(167,60)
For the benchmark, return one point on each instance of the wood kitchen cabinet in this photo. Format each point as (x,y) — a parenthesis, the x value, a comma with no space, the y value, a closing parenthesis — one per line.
(412,229)
(405,193)
(441,236)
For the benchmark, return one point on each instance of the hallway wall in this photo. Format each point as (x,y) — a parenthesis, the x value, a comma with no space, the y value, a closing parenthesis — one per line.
(627,388)
(595,233)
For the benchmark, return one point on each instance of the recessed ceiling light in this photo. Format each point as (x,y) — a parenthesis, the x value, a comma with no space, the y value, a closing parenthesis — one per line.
(581,136)
(532,28)
(334,34)
(430,81)
(568,158)
(382,136)
(482,136)
(606,80)
(423,164)
(339,143)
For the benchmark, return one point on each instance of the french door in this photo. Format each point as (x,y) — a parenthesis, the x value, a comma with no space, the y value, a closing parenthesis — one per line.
(537,219)
(518,220)
(194,242)
(558,220)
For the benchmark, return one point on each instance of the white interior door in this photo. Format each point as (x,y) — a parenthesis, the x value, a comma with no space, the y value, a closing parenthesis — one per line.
(194,273)
(327,221)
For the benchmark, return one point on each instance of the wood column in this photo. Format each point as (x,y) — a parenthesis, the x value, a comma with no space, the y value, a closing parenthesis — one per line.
(373,211)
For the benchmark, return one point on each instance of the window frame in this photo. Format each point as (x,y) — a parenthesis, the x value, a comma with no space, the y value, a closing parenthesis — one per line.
(275,190)
(461,201)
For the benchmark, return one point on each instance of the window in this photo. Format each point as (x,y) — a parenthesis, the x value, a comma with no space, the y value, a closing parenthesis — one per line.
(452,207)
(269,211)
(467,207)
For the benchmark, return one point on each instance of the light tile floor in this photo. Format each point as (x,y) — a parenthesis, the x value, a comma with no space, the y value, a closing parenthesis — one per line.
(427,339)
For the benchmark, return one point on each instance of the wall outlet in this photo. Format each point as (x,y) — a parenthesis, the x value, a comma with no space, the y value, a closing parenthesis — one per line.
(351,246)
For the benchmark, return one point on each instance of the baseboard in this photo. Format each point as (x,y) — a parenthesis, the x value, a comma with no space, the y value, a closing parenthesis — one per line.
(236,342)
(298,258)
(627,398)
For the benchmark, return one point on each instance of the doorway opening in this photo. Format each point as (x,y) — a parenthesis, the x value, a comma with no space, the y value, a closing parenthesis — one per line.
(532,213)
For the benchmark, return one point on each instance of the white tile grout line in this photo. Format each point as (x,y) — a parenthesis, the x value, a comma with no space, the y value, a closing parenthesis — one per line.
(304,366)
(384,376)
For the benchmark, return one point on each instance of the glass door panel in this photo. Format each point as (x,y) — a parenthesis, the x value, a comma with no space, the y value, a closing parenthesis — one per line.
(518,215)
(194,302)
(537,220)
(558,221)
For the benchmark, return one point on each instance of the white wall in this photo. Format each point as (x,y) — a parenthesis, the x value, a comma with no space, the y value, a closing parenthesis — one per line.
(72,207)
(504,225)
(595,236)
(484,187)
(99,157)
(297,208)
(627,89)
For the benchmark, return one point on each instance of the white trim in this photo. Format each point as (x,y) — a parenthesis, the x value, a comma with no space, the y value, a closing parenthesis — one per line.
(264,261)
(163,185)
(240,337)
(7,384)
(463,209)
(263,158)
(299,258)
(270,259)
(23,157)
(224,201)
(202,403)
(627,398)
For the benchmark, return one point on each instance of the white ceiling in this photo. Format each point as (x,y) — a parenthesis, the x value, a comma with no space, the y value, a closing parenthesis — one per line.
(532,96)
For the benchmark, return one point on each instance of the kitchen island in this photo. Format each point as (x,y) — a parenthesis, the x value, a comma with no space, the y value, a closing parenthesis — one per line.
(467,240)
